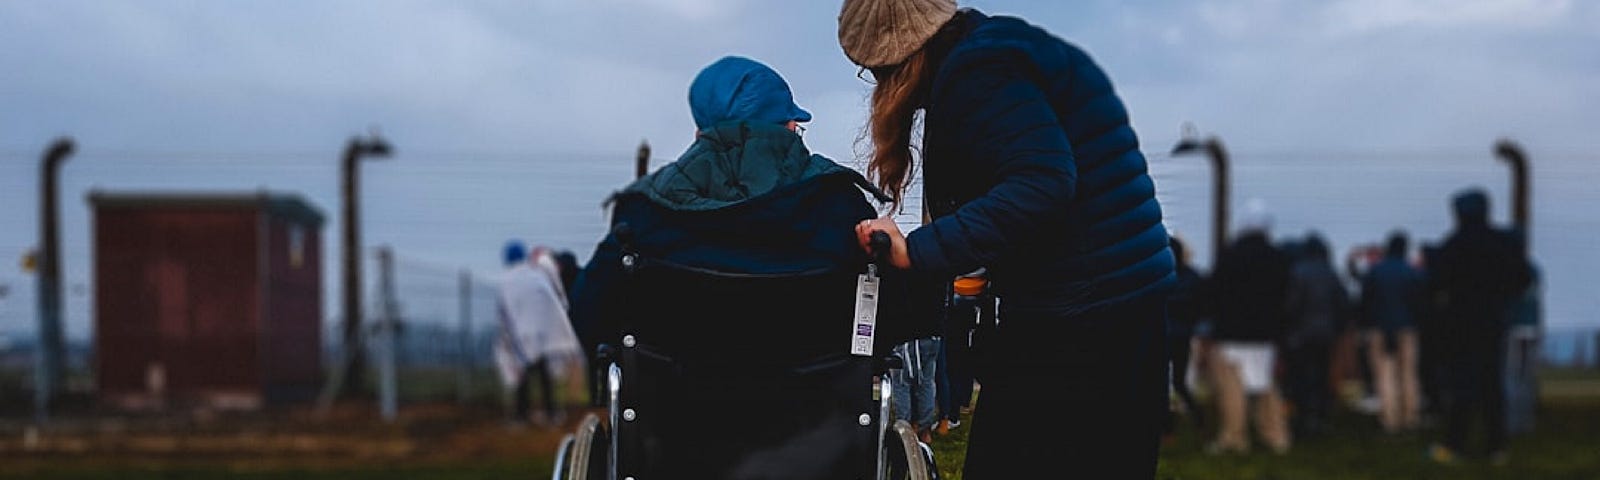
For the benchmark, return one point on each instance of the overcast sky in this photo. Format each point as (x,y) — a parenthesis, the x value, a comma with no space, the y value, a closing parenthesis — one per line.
(559,75)
(513,118)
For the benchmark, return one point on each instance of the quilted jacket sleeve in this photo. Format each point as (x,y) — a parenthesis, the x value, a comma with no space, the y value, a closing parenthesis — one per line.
(1008,121)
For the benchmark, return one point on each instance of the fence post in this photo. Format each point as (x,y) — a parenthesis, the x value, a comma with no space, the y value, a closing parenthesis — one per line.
(1521,188)
(464,328)
(371,148)
(387,330)
(1221,185)
(51,355)
(641,165)
(1597,348)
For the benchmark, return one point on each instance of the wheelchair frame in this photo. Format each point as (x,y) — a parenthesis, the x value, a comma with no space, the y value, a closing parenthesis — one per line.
(575,455)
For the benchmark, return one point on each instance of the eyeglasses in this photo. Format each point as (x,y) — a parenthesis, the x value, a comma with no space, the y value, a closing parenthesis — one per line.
(862,74)
(875,73)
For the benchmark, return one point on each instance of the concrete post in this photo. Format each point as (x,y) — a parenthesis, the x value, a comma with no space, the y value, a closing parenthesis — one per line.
(464,327)
(355,357)
(51,355)
(1221,185)
(388,330)
(1521,188)
(641,164)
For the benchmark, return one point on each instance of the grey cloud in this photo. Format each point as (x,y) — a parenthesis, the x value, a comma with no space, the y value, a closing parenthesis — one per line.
(553,83)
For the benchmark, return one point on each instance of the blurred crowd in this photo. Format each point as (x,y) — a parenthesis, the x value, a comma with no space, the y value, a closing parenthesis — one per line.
(1437,336)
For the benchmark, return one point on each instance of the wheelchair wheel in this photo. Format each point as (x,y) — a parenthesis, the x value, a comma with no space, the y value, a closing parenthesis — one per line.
(908,459)
(582,454)
(927,459)
(559,472)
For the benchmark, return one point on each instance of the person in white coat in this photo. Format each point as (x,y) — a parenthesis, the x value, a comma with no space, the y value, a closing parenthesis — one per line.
(536,342)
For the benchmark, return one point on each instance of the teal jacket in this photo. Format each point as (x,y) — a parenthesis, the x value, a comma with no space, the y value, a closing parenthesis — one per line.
(745,199)
(734,162)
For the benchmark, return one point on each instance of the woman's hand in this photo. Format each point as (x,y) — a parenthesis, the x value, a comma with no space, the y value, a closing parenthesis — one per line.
(897,241)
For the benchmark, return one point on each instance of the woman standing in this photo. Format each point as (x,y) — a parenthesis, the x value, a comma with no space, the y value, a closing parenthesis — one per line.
(1031,171)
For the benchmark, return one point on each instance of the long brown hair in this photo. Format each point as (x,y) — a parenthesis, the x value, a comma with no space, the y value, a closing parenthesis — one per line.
(901,90)
(892,121)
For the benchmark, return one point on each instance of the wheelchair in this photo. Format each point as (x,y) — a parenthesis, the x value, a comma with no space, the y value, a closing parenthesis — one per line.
(740,376)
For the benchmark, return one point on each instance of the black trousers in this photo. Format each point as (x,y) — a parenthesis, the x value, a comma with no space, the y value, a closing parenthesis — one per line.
(1084,394)
(956,359)
(1364,366)
(1433,371)
(1308,388)
(1478,390)
(525,381)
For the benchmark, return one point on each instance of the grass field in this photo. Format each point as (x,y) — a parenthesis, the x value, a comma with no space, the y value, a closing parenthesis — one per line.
(1566,445)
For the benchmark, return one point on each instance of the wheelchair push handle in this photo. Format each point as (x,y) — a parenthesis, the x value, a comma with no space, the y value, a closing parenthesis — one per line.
(878,245)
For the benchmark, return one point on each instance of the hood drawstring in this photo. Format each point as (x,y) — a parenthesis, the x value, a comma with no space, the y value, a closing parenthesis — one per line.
(911,357)
(911,361)
(917,344)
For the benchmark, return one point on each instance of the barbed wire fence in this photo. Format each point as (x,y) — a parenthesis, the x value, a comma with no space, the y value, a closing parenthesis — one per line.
(449,325)
(1353,196)
(429,334)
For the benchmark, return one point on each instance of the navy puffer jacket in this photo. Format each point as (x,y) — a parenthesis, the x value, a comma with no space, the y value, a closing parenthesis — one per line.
(1033,171)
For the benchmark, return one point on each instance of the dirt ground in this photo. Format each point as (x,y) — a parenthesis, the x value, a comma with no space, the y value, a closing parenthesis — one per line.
(348,439)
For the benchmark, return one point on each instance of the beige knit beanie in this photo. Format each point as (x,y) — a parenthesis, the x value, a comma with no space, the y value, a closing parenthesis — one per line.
(876,33)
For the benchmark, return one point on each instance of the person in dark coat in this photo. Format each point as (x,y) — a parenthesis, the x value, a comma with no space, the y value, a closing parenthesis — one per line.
(1318,307)
(1250,288)
(568,263)
(1480,272)
(1361,259)
(917,387)
(970,306)
(765,227)
(1390,294)
(1433,329)
(1184,310)
(1031,170)
(747,197)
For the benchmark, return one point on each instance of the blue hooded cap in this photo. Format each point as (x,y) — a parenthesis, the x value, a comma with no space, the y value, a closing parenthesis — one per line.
(738,88)
(515,252)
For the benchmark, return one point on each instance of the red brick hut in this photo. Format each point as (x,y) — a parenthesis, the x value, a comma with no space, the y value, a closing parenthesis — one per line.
(209,300)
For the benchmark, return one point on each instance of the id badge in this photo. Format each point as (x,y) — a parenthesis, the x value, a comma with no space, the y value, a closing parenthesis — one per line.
(866,320)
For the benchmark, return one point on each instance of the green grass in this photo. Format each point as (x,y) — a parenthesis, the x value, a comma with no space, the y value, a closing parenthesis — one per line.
(950,451)
(494,470)
(1566,445)
(1563,446)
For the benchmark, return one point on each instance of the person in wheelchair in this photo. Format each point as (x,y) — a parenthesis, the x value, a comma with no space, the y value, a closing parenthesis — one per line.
(722,297)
